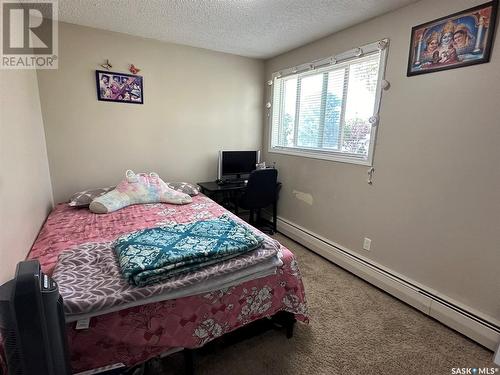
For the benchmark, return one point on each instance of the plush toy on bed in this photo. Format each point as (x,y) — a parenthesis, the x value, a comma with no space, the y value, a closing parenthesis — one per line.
(137,188)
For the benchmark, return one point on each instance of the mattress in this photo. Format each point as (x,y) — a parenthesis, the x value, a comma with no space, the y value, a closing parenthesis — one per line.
(133,334)
(91,283)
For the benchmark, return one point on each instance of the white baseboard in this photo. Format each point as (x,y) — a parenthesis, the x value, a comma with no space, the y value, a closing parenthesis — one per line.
(484,330)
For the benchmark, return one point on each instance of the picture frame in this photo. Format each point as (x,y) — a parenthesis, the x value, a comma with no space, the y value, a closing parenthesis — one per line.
(119,87)
(460,39)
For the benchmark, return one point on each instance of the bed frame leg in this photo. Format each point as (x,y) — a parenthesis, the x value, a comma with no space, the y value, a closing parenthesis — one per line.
(285,320)
(290,324)
(188,361)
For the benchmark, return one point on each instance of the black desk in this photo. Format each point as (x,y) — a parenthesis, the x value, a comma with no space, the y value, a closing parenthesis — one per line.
(227,195)
(212,187)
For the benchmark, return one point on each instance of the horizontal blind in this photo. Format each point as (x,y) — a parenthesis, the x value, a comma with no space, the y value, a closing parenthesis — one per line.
(360,105)
(327,110)
(309,106)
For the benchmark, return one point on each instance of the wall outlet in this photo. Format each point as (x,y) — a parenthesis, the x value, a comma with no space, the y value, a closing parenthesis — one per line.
(367,243)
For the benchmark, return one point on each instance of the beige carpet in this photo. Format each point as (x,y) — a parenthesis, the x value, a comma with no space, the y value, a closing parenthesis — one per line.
(355,329)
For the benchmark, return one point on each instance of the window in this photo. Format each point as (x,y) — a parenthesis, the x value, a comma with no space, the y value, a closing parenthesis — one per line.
(329,109)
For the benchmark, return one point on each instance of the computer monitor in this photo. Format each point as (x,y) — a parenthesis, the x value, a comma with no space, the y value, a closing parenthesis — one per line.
(236,165)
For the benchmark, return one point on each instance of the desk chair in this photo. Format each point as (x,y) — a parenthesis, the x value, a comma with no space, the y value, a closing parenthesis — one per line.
(261,191)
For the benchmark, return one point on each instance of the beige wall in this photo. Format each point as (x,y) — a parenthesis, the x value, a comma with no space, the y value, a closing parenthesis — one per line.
(25,190)
(433,212)
(196,102)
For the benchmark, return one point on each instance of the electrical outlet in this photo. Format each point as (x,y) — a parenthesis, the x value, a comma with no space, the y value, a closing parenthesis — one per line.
(367,243)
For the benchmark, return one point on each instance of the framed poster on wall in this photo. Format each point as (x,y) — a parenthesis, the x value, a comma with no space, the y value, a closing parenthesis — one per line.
(460,39)
(119,87)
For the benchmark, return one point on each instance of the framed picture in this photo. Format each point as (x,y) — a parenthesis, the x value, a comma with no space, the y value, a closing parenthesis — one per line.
(119,87)
(454,41)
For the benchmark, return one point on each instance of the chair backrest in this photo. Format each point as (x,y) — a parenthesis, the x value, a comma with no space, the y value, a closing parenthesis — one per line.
(261,188)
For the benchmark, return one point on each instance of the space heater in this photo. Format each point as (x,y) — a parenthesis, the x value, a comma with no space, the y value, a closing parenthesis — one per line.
(32,323)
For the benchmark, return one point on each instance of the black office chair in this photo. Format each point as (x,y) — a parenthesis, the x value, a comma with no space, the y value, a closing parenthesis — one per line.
(261,191)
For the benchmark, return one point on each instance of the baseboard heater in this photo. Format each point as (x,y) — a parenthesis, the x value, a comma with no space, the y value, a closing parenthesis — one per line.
(481,330)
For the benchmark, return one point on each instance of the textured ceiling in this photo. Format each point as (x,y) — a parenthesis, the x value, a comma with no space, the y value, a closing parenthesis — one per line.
(253,28)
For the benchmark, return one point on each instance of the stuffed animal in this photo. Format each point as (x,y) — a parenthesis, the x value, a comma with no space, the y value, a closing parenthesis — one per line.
(136,189)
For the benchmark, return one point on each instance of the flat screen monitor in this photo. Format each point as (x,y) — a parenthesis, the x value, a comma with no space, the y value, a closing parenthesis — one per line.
(236,165)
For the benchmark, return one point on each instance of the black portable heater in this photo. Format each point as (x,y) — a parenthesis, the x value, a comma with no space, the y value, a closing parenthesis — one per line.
(32,323)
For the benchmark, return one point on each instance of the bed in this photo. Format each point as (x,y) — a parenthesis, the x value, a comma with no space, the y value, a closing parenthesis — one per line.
(135,334)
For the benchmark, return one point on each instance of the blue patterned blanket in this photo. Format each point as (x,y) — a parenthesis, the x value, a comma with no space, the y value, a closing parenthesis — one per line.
(152,255)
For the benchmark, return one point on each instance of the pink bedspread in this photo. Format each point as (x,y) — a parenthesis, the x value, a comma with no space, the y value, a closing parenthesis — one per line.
(136,334)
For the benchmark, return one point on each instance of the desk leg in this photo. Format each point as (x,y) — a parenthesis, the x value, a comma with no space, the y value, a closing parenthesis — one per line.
(275,216)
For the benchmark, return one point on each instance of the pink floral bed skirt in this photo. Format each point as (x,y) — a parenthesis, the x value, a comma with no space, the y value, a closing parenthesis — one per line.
(134,335)
(139,333)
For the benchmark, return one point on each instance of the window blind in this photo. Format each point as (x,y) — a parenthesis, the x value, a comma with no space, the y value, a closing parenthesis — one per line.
(329,111)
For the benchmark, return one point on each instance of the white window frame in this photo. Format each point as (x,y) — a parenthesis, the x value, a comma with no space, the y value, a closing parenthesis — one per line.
(315,67)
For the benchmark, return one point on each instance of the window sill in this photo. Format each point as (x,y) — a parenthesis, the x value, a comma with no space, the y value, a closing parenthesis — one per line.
(322,156)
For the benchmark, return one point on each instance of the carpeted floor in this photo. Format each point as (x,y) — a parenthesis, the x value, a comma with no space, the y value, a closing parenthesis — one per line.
(355,329)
